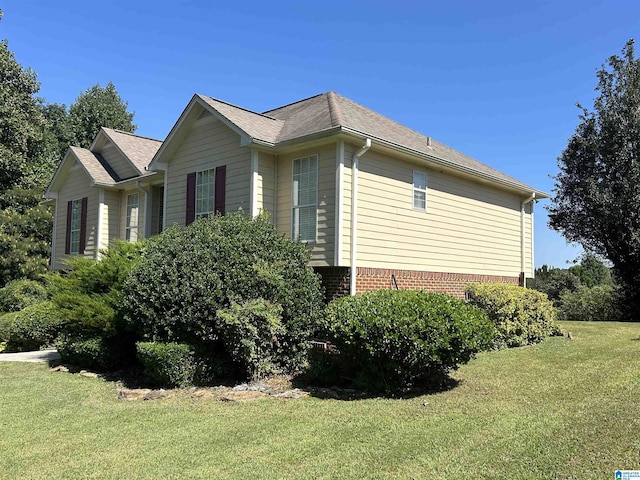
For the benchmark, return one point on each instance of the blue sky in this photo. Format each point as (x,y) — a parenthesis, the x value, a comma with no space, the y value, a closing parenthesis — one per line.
(497,80)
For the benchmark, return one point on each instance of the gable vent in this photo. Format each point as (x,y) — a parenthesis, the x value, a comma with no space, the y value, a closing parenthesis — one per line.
(204,114)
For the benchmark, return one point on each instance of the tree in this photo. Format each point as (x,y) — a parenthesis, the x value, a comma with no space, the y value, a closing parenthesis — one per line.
(21,126)
(59,134)
(95,108)
(25,168)
(591,271)
(596,199)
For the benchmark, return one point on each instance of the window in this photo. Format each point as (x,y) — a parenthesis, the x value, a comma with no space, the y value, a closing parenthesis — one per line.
(76,226)
(305,198)
(131,226)
(205,200)
(419,190)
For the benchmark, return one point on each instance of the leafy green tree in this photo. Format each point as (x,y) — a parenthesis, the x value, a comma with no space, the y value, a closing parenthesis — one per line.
(25,225)
(554,281)
(95,108)
(58,135)
(591,271)
(21,126)
(596,199)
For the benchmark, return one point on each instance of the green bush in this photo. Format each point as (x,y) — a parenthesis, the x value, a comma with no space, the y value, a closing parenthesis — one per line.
(87,298)
(6,322)
(195,284)
(521,316)
(19,294)
(34,327)
(391,340)
(167,364)
(86,351)
(599,303)
(251,333)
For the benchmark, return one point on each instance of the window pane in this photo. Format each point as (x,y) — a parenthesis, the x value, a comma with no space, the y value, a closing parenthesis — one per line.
(420,180)
(420,200)
(305,195)
(205,200)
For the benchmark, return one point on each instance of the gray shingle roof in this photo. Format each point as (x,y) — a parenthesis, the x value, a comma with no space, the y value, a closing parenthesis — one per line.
(93,165)
(330,112)
(257,126)
(139,150)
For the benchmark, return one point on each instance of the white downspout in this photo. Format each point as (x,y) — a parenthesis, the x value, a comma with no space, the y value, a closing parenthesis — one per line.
(354,214)
(253,185)
(99,227)
(522,245)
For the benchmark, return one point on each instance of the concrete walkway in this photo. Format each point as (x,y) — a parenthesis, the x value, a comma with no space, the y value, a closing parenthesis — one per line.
(37,356)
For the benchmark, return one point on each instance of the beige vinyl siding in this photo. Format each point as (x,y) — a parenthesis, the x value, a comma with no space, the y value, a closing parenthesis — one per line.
(322,251)
(349,151)
(117,160)
(468,227)
(207,145)
(266,183)
(76,186)
(110,218)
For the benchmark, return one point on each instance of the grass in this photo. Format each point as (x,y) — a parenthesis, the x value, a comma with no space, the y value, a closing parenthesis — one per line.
(562,409)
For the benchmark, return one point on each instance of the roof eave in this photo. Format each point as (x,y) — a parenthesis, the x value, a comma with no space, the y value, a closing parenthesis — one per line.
(446,163)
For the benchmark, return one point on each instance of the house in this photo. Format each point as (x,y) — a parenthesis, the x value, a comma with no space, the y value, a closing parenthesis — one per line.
(425,216)
(104,193)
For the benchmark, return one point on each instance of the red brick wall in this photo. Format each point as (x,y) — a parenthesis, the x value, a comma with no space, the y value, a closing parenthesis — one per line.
(451,283)
(336,280)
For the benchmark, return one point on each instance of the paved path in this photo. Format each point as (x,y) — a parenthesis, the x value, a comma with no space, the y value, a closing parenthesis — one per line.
(37,356)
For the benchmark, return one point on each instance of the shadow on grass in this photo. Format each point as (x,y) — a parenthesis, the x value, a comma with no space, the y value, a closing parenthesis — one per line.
(133,379)
(348,393)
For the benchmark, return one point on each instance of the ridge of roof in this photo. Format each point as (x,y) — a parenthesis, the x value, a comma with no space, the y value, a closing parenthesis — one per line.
(144,137)
(206,97)
(293,103)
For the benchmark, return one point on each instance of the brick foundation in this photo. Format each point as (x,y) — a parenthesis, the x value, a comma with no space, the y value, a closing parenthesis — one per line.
(336,280)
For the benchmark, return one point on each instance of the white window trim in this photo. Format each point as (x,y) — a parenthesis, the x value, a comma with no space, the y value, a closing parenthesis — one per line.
(213,194)
(315,204)
(414,189)
(129,225)
(74,247)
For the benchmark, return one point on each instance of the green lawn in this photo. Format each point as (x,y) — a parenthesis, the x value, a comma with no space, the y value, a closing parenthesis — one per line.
(562,409)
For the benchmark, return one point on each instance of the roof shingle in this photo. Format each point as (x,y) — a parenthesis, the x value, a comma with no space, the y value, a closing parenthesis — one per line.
(139,150)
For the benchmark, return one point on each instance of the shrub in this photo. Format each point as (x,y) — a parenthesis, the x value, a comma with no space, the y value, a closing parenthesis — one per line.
(6,322)
(251,332)
(392,340)
(87,298)
(521,316)
(167,364)
(600,303)
(19,294)
(34,327)
(194,284)
(85,351)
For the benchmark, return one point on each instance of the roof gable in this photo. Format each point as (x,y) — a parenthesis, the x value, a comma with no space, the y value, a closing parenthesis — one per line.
(92,165)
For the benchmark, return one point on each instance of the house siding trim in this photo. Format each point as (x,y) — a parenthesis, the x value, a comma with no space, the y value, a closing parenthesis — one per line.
(100,225)
(339,203)
(253,184)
